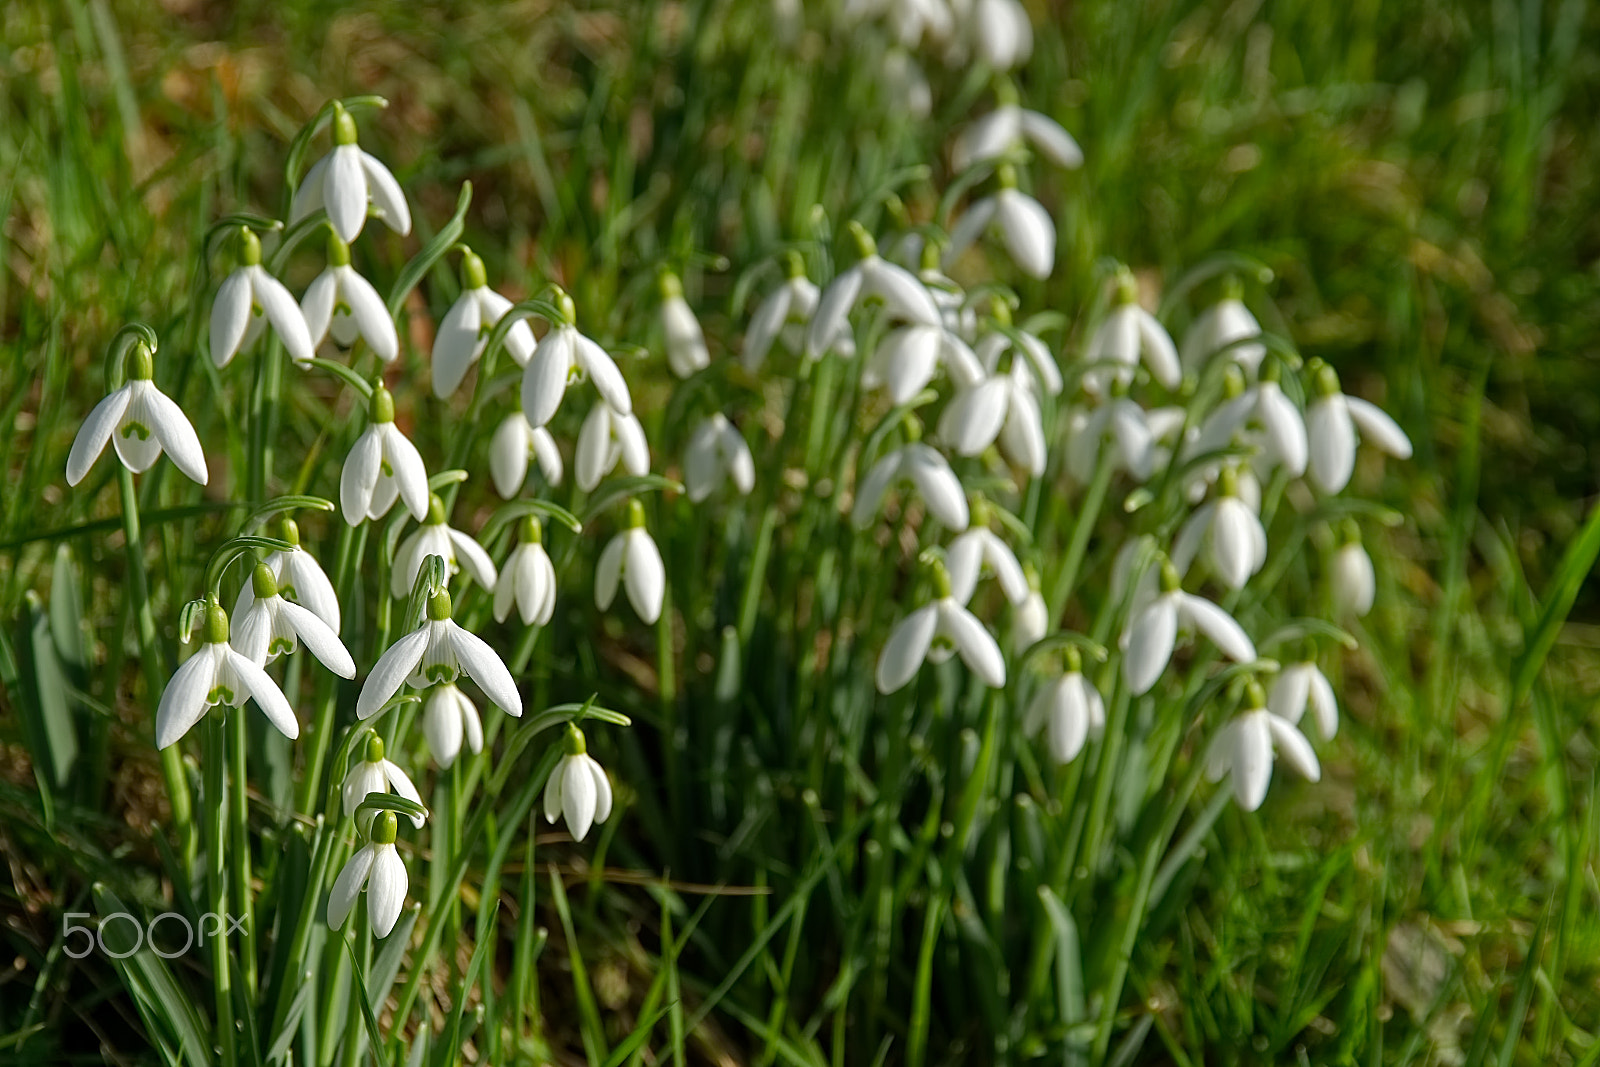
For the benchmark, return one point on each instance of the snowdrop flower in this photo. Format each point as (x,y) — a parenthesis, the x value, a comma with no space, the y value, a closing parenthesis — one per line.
(1283,431)
(300,579)
(686,343)
(935,631)
(1030,622)
(562,355)
(905,360)
(342,302)
(513,443)
(1068,710)
(446,715)
(1227,324)
(1229,531)
(435,537)
(1008,126)
(1024,227)
(632,559)
(141,422)
(528,579)
(904,296)
(909,20)
(467,325)
(905,84)
(1149,640)
(377,868)
(605,438)
(247,300)
(1300,686)
(1244,750)
(783,314)
(1026,350)
(1331,424)
(382,467)
(344,180)
(218,674)
(271,626)
(717,450)
(438,651)
(1002,32)
(1118,422)
(928,471)
(1128,332)
(977,552)
(378,775)
(1000,407)
(577,789)
(1353,583)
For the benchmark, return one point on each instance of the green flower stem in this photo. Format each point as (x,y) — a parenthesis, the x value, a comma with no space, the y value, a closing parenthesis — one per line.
(263,420)
(1093,500)
(150,659)
(239,853)
(214,755)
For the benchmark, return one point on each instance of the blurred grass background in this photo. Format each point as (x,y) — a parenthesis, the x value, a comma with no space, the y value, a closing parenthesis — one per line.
(1420,175)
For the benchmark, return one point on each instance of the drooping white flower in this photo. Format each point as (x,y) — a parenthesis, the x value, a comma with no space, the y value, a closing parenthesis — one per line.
(1001,407)
(1024,227)
(528,579)
(1244,749)
(1002,33)
(1068,709)
(783,314)
(904,82)
(1229,532)
(1007,126)
(1124,426)
(467,325)
(1128,332)
(1149,640)
(376,774)
(247,301)
(1227,324)
(1029,622)
(605,438)
(717,450)
(564,353)
(908,356)
(1300,686)
(1282,433)
(438,651)
(300,578)
(377,868)
(271,626)
(383,466)
(1353,583)
(686,342)
(447,714)
(909,20)
(904,296)
(513,443)
(1331,424)
(1026,350)
(925,468)
(978,552)
(342,302)
(141,422)
(218,674)
(632,559)
(345,180)
(436,537)
(935,631)
(577,789)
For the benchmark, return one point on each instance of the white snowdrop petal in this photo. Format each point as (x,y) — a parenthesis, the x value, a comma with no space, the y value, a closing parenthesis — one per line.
(902,293)
(974,643)
(578,796)
(1052,140)
(390,672)
(1331,445)
(633,448)
(316,306)
(344,191)
(268,697)
(1149,644)
(1378,428)
(740,463)
(1022,434)
(484,666)
(905,361)
(1029,232)
(870,490)
(456,345)
(1159,352)
(347,887)
(410,476)
(701,462)
(95,432)
(552,795)
(1191,536)
(1219,626)
(505,589)
(284,314)
(1007,571)
(767,320)
(1354,584)
(968,228)
(508,455)
(644,575)
(1324,705)
(401,783)
(946,499)
(230,315)
(963,561)
(1233,547)
(594,455)
(308,197)
(178,439)
(906,648)
(833,307)
(973,419)
(602,370)
(473,559)
(319,639)
(386,890)
(685,343)
(1286,430)
(183,702)
(1287,697)
(360,475)
(602,790)
(544,379)
(548,455)
(1251,762)
(386,194)
(441,725)
(1294,749)
(372,316)
(608,571)
(987,138)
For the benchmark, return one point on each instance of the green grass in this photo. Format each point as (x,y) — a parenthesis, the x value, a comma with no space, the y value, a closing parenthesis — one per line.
(801,871)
